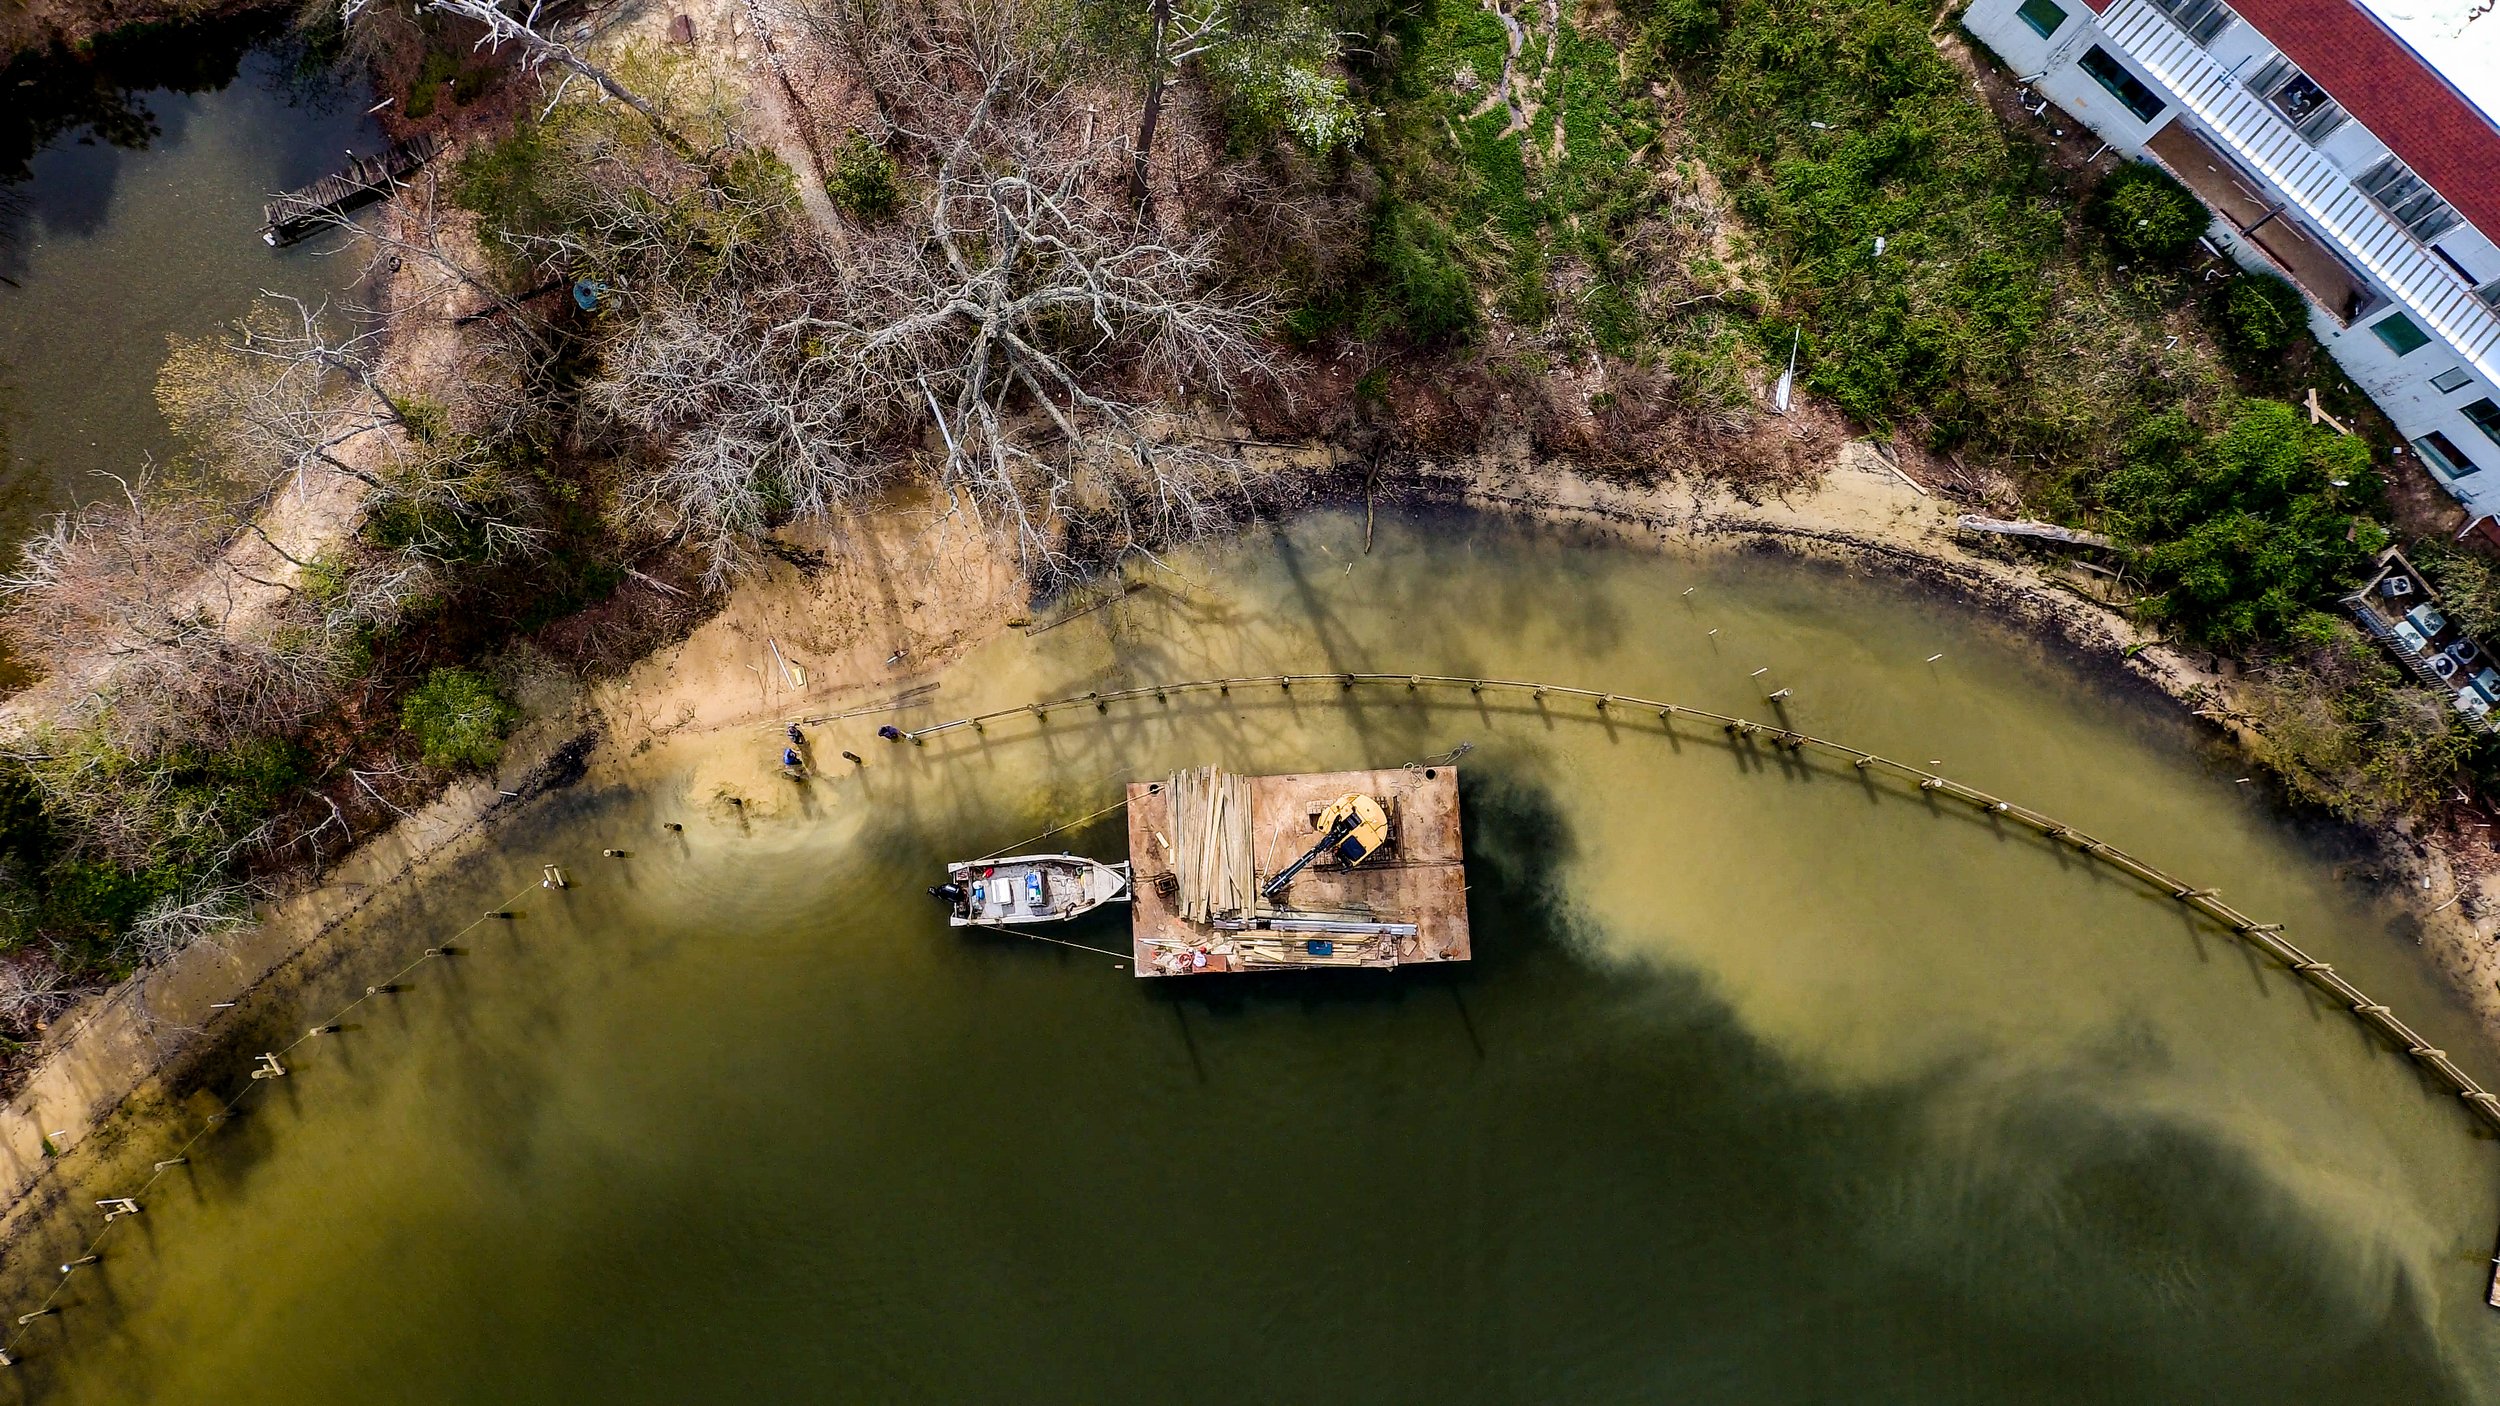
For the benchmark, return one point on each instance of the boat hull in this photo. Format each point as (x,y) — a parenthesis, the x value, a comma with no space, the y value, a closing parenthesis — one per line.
(1031,888)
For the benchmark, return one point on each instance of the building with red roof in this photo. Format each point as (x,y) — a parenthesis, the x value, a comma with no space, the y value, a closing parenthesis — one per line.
(2332,154)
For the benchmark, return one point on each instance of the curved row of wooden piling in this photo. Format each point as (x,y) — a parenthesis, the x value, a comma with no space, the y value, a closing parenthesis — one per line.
(267,1066)
(2267,938)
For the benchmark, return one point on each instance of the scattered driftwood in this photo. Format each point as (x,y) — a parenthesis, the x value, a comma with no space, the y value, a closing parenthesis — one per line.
(2318,415)
(2023,527)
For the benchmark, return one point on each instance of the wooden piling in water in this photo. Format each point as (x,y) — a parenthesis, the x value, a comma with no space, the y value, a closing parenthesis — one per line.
(2265,938)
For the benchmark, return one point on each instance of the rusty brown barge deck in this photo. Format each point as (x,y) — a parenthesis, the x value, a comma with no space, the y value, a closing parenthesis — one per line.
(1203,844)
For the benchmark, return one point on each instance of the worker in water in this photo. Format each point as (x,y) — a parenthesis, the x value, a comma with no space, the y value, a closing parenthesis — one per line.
(890,733)
(790,758)
(797,738)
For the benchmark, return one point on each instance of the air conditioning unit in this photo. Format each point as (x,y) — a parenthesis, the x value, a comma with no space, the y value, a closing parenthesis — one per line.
(2396,586)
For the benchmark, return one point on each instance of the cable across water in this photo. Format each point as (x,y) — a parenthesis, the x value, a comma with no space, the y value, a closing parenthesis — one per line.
(2266,938)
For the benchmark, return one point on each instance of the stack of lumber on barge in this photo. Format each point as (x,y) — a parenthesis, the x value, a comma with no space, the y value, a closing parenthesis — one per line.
(1204,842)
(297,213)
(1210,838)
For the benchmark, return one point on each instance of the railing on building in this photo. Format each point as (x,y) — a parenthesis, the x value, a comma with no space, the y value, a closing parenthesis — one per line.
(2256,135)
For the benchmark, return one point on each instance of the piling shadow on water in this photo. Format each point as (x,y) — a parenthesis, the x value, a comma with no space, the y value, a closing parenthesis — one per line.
(2103,1253)
(1631,1196)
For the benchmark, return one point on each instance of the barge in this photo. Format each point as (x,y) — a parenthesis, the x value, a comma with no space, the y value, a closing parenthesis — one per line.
(1283,873)
(1231,873)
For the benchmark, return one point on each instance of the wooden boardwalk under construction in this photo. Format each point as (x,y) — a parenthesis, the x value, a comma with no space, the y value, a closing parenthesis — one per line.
(1202,843)
(297,213)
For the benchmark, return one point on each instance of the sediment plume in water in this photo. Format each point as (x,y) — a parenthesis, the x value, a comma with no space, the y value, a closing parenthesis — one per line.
(1765,1085)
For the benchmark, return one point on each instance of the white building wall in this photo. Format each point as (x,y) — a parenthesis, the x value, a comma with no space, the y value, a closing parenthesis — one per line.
(2402,385)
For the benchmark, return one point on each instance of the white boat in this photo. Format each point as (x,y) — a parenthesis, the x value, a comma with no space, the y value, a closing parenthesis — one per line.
(1029,888)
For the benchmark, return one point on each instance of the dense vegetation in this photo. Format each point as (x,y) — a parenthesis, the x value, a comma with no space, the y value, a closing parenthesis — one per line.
(458,719)
(1943,281)
(2245,527)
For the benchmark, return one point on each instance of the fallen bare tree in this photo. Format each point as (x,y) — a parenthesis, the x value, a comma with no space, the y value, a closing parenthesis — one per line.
(34,989)
(541,47)
(214,909)
(278,397)
(1020,315)
(137,598)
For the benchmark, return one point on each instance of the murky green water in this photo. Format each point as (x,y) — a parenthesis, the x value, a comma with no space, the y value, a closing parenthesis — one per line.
(1766,1087)
(130,201)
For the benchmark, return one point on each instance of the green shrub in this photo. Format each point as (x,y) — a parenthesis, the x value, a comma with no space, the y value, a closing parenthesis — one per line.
(1417,286)
(458,719)
(173,822)
(440,67)
(1277,71)
(2350,733)
(2147,216)
(865,183)
(2468,582)
(2258,317)
(2248,528)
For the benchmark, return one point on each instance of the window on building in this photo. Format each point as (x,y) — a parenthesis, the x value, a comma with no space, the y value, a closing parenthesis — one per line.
(2122,85)
(2485,416)
(2406,197)
(2298,97)
(2441,453)
(2401,334)
(2202,19)
(2044,16)
(2490,293)
(2455,378)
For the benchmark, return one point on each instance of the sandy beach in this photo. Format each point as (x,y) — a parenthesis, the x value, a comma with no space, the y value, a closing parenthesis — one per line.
(857,615)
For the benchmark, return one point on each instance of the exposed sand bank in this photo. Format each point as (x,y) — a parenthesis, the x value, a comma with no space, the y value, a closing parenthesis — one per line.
(866,613)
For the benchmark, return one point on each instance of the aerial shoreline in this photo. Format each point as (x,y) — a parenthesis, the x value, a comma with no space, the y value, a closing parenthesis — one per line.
(1034,381)
(119,1070)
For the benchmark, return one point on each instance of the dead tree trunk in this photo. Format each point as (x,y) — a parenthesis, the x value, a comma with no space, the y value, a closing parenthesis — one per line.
(1140,184)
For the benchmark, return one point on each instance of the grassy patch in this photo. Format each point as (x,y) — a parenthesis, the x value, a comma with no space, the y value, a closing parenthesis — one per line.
(1540,178)
(458,720)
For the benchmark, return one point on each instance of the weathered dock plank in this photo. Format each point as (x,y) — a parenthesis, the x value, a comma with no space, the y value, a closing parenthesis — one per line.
(2024,527)
(290,216)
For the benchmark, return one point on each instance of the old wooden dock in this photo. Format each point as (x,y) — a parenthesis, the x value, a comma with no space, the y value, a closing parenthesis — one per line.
(297,213)
(1202,843)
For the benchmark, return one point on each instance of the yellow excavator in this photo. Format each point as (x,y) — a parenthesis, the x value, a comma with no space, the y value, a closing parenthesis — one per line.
(1353,828)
